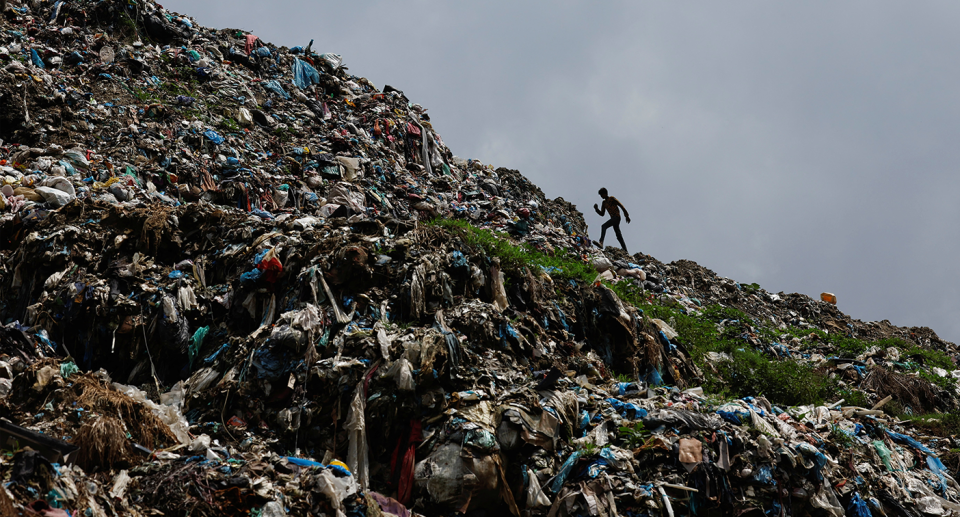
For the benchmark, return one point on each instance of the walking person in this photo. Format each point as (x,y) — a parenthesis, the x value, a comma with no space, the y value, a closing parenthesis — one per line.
(612,206)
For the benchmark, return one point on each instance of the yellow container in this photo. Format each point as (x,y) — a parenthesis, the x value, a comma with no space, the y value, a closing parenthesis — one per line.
(829,298)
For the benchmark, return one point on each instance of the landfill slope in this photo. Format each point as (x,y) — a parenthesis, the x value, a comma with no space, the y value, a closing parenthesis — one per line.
(238,279)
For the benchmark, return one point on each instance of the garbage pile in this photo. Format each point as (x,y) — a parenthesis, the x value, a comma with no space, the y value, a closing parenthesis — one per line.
(238,279)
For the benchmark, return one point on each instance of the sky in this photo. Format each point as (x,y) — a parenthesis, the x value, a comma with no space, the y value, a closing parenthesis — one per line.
(805,146)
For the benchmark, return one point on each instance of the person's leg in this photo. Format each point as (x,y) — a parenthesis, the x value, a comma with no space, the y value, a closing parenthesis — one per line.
(603,230)
(616,229)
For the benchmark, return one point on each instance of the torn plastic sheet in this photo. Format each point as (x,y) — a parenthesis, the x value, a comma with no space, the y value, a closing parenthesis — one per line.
(565,471)
(535,496)
(627,409)
(903,439)
(338,313)
(937,467)
(357,451)
(674,418)
(169,415)
(274,86)
(858,507)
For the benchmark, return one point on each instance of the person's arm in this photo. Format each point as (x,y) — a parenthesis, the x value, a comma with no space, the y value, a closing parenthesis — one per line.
(625,213)
(600,211)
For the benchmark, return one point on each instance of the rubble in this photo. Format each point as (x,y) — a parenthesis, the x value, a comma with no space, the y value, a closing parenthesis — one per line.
(238,279)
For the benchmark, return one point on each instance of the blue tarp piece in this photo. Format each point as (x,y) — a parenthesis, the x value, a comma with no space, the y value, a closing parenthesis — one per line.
(459,261)
(272,361)
(594,468)
(251,276)
(776,509)
(300,462)
(213,357)
(608,454)
(858,507)
(176,273)
(730,416)
(756,409)
(584,422)
(938,468)
(262,52)
(563,317)
(42,336)
(55,11)
(68,166)
(819,460)
(764,475)
(36,59)
(263,214)
(903,439)
(73,59)
(274,86)
(565,471)
(304,75)
(507,330)
(628,388)
(652,376)
(213,136)
(781,350)
(627,410)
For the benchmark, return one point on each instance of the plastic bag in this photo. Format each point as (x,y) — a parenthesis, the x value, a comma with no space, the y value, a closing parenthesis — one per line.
(535,495)
(357,459)
(304,75)
(402,373)
(169,415)
(271,266)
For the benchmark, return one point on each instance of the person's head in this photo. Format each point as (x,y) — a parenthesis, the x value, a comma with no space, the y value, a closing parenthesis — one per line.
(603,193)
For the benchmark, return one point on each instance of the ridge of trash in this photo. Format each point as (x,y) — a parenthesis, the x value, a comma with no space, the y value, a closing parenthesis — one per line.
(238,279)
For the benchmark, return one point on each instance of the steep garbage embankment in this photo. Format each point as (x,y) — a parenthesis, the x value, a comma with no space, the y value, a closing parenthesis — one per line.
(237,278)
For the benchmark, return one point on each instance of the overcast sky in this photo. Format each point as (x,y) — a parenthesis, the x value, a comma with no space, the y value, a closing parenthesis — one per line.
(805,146)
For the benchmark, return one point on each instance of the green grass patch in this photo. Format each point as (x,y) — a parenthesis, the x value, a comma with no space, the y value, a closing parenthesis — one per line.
(229,125)
(516,257)
(854,398)
(946,383)
(840,438)
(780,381)
(634,436)
(927,357)
(940,424)
(750,372)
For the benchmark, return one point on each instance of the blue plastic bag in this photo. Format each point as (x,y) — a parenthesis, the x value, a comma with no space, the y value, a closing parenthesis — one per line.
(304,75)
(903,439)
(36,59)
(565,471)
(274,86)
(626,409)
(213,136)
(858,507)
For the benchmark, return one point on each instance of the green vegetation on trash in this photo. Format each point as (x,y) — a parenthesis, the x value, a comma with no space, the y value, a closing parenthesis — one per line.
(229,124)
(854,398)
(633,436)
(743,370)
(840,437)
(515,257)
(946,383)
(941,424)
